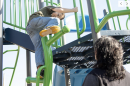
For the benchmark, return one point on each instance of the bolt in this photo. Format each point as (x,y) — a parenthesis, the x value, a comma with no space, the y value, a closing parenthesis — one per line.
(56,52)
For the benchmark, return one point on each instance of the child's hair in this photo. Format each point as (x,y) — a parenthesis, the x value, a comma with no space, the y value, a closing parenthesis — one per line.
(63,17)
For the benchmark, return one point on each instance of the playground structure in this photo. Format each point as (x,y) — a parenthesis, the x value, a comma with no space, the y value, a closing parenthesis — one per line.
(75,55)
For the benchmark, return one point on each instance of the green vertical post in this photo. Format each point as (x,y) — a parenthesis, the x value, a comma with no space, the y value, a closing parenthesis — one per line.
(46,2)
(110,10)
(15,66)
(48,62)
(28,8)
(20,15)
(76,20)
(52,2)
(119,22)
(96,22)
(10,11)
(14,7)
(37,5)
(25,7)
(83,18)
(32,6)
(127,7)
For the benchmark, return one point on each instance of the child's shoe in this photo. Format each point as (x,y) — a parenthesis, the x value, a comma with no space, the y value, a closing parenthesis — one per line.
(50,30)
(41,74)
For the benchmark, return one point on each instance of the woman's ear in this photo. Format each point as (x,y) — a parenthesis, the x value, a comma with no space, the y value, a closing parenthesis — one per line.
(95,53)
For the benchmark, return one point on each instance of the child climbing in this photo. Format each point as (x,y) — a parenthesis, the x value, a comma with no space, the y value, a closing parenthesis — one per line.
(42,23)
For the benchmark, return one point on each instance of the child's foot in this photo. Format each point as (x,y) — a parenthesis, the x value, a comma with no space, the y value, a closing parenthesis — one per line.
(41,74)
(51,30)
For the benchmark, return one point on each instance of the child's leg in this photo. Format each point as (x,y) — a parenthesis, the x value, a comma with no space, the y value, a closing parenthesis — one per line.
(33,29)
(51,28)
(41,23)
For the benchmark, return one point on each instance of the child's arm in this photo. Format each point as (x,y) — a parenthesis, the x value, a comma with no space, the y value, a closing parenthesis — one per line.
(65,10)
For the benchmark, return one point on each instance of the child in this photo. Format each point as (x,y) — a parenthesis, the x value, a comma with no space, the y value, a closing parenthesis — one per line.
(47,19)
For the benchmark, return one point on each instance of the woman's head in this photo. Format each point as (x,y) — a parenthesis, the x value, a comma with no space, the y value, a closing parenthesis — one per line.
(109,56)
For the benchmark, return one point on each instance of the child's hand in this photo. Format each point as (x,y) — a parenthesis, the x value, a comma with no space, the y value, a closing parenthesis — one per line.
(75,9)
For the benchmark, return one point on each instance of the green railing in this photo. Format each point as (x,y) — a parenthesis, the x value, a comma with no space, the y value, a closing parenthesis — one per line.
(20,13)
(111,14)
(47,81)
(76,19)
(14,68)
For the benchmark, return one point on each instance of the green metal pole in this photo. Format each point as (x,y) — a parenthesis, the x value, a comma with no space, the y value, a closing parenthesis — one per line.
(110,10)
(83,18)
(46,2)
(52,2)
(76,20)
(37,5)
(25,4)
(20,15)
(15,66)
(9,51)
(28,7)
(14,12)
(48,62)
(110,15)
(96,22)
(119,22)
(14,25)
(8,68)
(58,35)
(32,6)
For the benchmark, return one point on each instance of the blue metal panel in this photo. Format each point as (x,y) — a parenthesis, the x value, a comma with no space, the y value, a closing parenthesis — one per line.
(77,76)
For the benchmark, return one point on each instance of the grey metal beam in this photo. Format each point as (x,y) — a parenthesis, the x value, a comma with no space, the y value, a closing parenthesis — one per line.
(28,62)
(67,77)
(41,4)
(1,42)
(107,24)
(95,35)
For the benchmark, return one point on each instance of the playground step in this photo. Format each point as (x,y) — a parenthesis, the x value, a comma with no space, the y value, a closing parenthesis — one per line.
(79,53)
(15,37)
(32,80)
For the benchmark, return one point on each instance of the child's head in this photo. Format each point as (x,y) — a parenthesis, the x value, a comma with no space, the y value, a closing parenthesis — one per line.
(58,15)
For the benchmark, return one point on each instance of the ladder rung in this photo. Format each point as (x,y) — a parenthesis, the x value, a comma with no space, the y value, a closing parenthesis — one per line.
(8,68)
(9,51)
(32,80)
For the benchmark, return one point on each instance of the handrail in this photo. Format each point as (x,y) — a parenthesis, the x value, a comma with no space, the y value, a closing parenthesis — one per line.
(110,10)
(76,19)
(110,15)
(8,68)
(48,57)
(15,66)
(127,18)
(9,51)
(83,18)
(59,34)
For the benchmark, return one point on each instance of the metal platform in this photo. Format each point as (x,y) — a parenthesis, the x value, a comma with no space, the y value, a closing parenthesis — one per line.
(79,53)
(15,37)
(75,55)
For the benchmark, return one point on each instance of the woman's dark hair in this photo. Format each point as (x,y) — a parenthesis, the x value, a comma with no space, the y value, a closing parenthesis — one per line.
(109,56)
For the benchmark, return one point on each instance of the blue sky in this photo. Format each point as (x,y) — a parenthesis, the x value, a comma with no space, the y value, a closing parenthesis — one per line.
(20,73)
